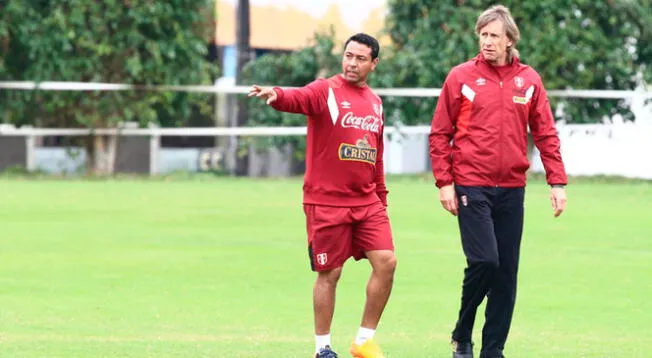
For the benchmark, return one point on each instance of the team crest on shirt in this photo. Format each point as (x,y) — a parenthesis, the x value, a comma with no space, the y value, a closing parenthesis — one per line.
(519,82)
(480,82)
(361,151)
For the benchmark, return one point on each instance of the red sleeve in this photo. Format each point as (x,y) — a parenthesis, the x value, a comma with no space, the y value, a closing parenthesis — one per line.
(381,188)
(308,100)
(544,133)
(442,131)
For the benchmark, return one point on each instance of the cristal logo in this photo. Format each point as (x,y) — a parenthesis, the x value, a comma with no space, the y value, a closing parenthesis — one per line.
(368,123)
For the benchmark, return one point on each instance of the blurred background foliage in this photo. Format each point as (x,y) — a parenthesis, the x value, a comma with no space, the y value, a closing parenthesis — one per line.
(579,44)
(114,41)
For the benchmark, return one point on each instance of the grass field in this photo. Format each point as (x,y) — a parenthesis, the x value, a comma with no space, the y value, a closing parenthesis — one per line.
(218,268)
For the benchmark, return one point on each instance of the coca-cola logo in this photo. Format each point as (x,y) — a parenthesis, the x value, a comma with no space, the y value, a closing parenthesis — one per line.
(368,123)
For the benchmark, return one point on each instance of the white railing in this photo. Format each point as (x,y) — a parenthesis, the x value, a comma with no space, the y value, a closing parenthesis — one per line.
(228,89)
(155,133)
(28,131)
(588,149)
(574,137)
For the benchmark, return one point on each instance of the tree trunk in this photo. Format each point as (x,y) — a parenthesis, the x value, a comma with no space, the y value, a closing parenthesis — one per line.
(101,152)
(244,56)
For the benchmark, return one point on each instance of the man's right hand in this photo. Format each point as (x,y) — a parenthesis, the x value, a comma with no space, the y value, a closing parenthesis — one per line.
(448,198)
(263,92)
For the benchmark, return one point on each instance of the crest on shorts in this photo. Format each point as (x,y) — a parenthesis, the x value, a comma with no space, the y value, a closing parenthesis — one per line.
(322,259)
(465,200)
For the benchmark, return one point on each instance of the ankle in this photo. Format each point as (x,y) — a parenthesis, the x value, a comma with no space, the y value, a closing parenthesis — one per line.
(321,341)
(364,334)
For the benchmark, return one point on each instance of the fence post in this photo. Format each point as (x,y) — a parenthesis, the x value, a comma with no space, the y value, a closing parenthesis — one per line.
(154,148)
(30,147)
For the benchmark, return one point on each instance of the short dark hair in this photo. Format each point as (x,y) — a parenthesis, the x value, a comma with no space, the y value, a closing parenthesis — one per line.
(368,40)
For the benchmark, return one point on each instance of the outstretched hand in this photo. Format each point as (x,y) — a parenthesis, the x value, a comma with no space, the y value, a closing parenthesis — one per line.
(266,93)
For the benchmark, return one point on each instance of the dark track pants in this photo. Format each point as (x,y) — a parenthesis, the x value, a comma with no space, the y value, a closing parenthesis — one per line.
(491,226)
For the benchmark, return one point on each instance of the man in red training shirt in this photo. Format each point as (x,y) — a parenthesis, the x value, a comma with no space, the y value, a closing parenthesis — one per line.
(344,192)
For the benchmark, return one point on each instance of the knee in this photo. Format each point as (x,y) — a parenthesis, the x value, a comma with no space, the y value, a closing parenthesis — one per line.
(488,265)
(386,264)
(391,263)
(330,277)
(493,265)
(491,268)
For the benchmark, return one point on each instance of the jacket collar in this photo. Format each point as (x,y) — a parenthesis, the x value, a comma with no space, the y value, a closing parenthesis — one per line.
(480,59)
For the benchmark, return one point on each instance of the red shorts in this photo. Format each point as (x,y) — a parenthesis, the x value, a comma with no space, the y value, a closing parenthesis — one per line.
(337,233)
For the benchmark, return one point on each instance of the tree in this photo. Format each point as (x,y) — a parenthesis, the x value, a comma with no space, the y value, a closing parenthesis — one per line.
(293,70)
(640,14)
(580,44)
(116,41)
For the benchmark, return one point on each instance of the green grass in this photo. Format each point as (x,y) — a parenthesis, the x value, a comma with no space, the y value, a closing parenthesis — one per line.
(218,268)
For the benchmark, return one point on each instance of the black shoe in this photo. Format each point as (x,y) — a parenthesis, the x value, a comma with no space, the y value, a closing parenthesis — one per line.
(462,349)
(326,352)
(494,354)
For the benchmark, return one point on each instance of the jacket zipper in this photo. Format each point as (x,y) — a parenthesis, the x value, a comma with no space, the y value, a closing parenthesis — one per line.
(500,137)
(503,110)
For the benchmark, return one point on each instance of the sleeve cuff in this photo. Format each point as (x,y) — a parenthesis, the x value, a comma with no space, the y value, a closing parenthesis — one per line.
(442,183)
(279,92)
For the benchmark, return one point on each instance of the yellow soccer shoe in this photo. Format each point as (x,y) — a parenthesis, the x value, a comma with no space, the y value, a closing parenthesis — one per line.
(368,349)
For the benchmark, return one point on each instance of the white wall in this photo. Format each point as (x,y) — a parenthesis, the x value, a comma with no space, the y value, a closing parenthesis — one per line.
(406,154)
(623,149)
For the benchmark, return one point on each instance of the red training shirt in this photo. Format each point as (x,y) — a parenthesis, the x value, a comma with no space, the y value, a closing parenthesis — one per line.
(344,158)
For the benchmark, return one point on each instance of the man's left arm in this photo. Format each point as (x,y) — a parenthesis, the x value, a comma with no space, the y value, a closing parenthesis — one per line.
(381,188)
(546,139)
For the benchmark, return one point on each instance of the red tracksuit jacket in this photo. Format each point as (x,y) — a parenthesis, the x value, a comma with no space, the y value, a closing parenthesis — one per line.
(344,158)
(479,130)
